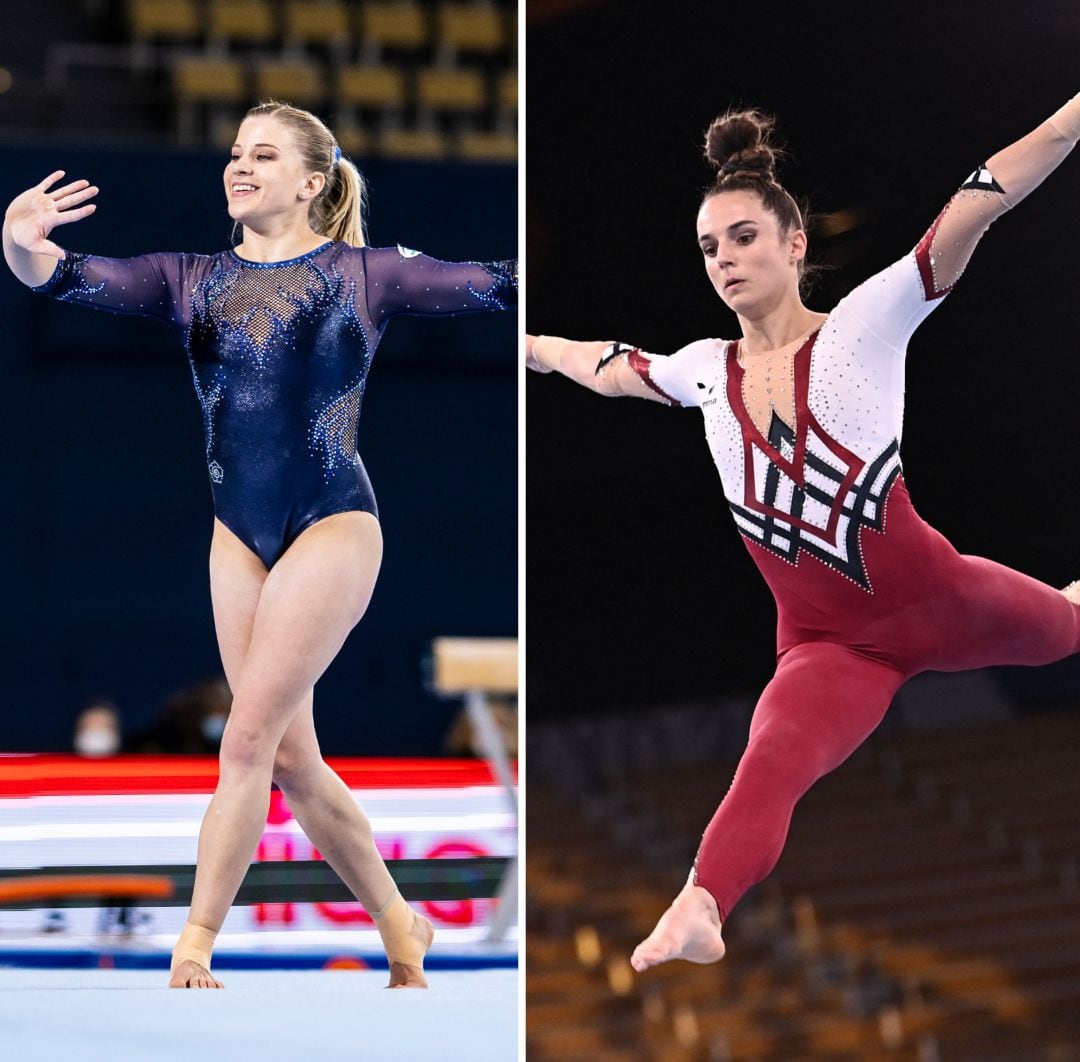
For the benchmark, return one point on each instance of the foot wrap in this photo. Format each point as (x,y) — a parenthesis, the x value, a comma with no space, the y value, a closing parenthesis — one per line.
(396,922)
(196,943)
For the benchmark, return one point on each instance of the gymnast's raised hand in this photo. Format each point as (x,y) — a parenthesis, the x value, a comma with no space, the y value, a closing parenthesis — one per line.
(30,218)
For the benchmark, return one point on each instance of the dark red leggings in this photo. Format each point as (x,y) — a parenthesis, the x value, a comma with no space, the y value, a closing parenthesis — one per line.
(843,657)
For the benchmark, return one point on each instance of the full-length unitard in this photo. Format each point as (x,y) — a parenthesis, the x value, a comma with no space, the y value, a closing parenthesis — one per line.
(867,593)
(280,353)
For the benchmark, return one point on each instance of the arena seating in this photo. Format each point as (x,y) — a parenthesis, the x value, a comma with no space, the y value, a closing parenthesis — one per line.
(402,78)
(926,908)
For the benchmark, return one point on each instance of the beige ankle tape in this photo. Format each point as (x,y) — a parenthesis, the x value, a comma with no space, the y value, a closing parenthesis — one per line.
(1067,120)
(395,923)
(196,943)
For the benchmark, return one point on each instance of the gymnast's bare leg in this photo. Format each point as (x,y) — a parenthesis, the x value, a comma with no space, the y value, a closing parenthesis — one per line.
(278,632)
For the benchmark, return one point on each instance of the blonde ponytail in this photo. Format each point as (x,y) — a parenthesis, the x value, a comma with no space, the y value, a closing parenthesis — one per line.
(339,211)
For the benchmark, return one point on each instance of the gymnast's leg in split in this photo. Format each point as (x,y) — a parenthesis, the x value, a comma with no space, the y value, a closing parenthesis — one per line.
(822,703)
(277,632)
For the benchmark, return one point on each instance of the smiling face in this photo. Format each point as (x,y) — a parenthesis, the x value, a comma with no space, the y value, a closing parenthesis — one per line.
(752,264)
(266,176)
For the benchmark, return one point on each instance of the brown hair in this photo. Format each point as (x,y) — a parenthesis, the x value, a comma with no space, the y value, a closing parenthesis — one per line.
(739,144)
(338,210)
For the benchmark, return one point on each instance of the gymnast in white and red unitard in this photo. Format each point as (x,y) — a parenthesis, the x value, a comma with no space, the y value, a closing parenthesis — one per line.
(803,417)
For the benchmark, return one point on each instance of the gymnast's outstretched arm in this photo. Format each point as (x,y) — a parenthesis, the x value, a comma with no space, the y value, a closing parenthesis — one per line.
(603,367)
(893,303)
(151,285)
(397,280)
(995,187)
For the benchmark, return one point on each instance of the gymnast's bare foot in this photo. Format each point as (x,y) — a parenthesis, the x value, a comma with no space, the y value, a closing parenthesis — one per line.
(1072,592)
(189,974)
(405,975)
(689,929)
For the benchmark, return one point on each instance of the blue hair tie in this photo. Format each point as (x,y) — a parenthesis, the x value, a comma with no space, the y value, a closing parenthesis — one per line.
(337,154)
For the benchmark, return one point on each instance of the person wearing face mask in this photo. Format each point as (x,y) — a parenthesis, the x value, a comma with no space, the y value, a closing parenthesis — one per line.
(97,730)
(212,727)
(191,722)
(803,417)
(280,331)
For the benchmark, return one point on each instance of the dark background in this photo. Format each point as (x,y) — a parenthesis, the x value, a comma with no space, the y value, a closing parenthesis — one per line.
(639,588)
(107,511)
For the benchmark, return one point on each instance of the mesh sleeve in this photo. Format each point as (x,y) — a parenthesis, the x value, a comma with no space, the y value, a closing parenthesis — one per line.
(400,281)
(150,285)
(893,303)
(993,188)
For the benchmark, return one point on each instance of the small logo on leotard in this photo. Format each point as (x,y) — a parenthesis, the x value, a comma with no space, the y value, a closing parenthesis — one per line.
(217,473)
(406,252)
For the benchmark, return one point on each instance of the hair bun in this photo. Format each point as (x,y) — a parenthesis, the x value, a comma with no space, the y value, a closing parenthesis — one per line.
(741,141)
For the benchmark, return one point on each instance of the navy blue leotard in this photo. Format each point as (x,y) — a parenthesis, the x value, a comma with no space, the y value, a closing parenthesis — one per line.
(279,352)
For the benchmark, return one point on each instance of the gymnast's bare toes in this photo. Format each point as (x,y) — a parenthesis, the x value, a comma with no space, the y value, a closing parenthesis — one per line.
(189,974)
(689,929)
(1072,592)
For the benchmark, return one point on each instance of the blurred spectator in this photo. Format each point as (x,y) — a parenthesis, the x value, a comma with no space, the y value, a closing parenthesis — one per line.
(97,729)
(461,739)
(192,721)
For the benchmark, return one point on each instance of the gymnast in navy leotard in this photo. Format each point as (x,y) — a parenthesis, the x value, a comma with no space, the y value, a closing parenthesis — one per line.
(280,333)
(280,353)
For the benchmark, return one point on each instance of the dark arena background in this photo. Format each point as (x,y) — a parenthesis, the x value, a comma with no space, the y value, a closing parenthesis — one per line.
(926,906)
(106,601)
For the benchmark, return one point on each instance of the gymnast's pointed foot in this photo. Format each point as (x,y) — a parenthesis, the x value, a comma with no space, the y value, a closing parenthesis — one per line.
(689,929)
(1072,592)
(407,937)
(187,973)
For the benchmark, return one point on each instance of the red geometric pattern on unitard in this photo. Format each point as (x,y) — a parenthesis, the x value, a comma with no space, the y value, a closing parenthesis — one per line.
(794,469)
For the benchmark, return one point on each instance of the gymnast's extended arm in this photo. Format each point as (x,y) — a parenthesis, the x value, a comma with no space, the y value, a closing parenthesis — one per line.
(29,219)
(151,285)
(400,281)
(995,187)
(603,367)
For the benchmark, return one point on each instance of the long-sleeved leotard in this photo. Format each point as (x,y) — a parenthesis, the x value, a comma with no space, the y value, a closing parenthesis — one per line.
(867,593)
(280,353)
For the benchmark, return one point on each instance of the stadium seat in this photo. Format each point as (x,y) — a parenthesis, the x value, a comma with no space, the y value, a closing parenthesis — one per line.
(487,147)
(412,144)
(170,20)
(451,90)
(241,21)
(371,86)
(476,28)
(199,79)
(295,81)
(323,22)
(506,90)
(355,142)
(397,25)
